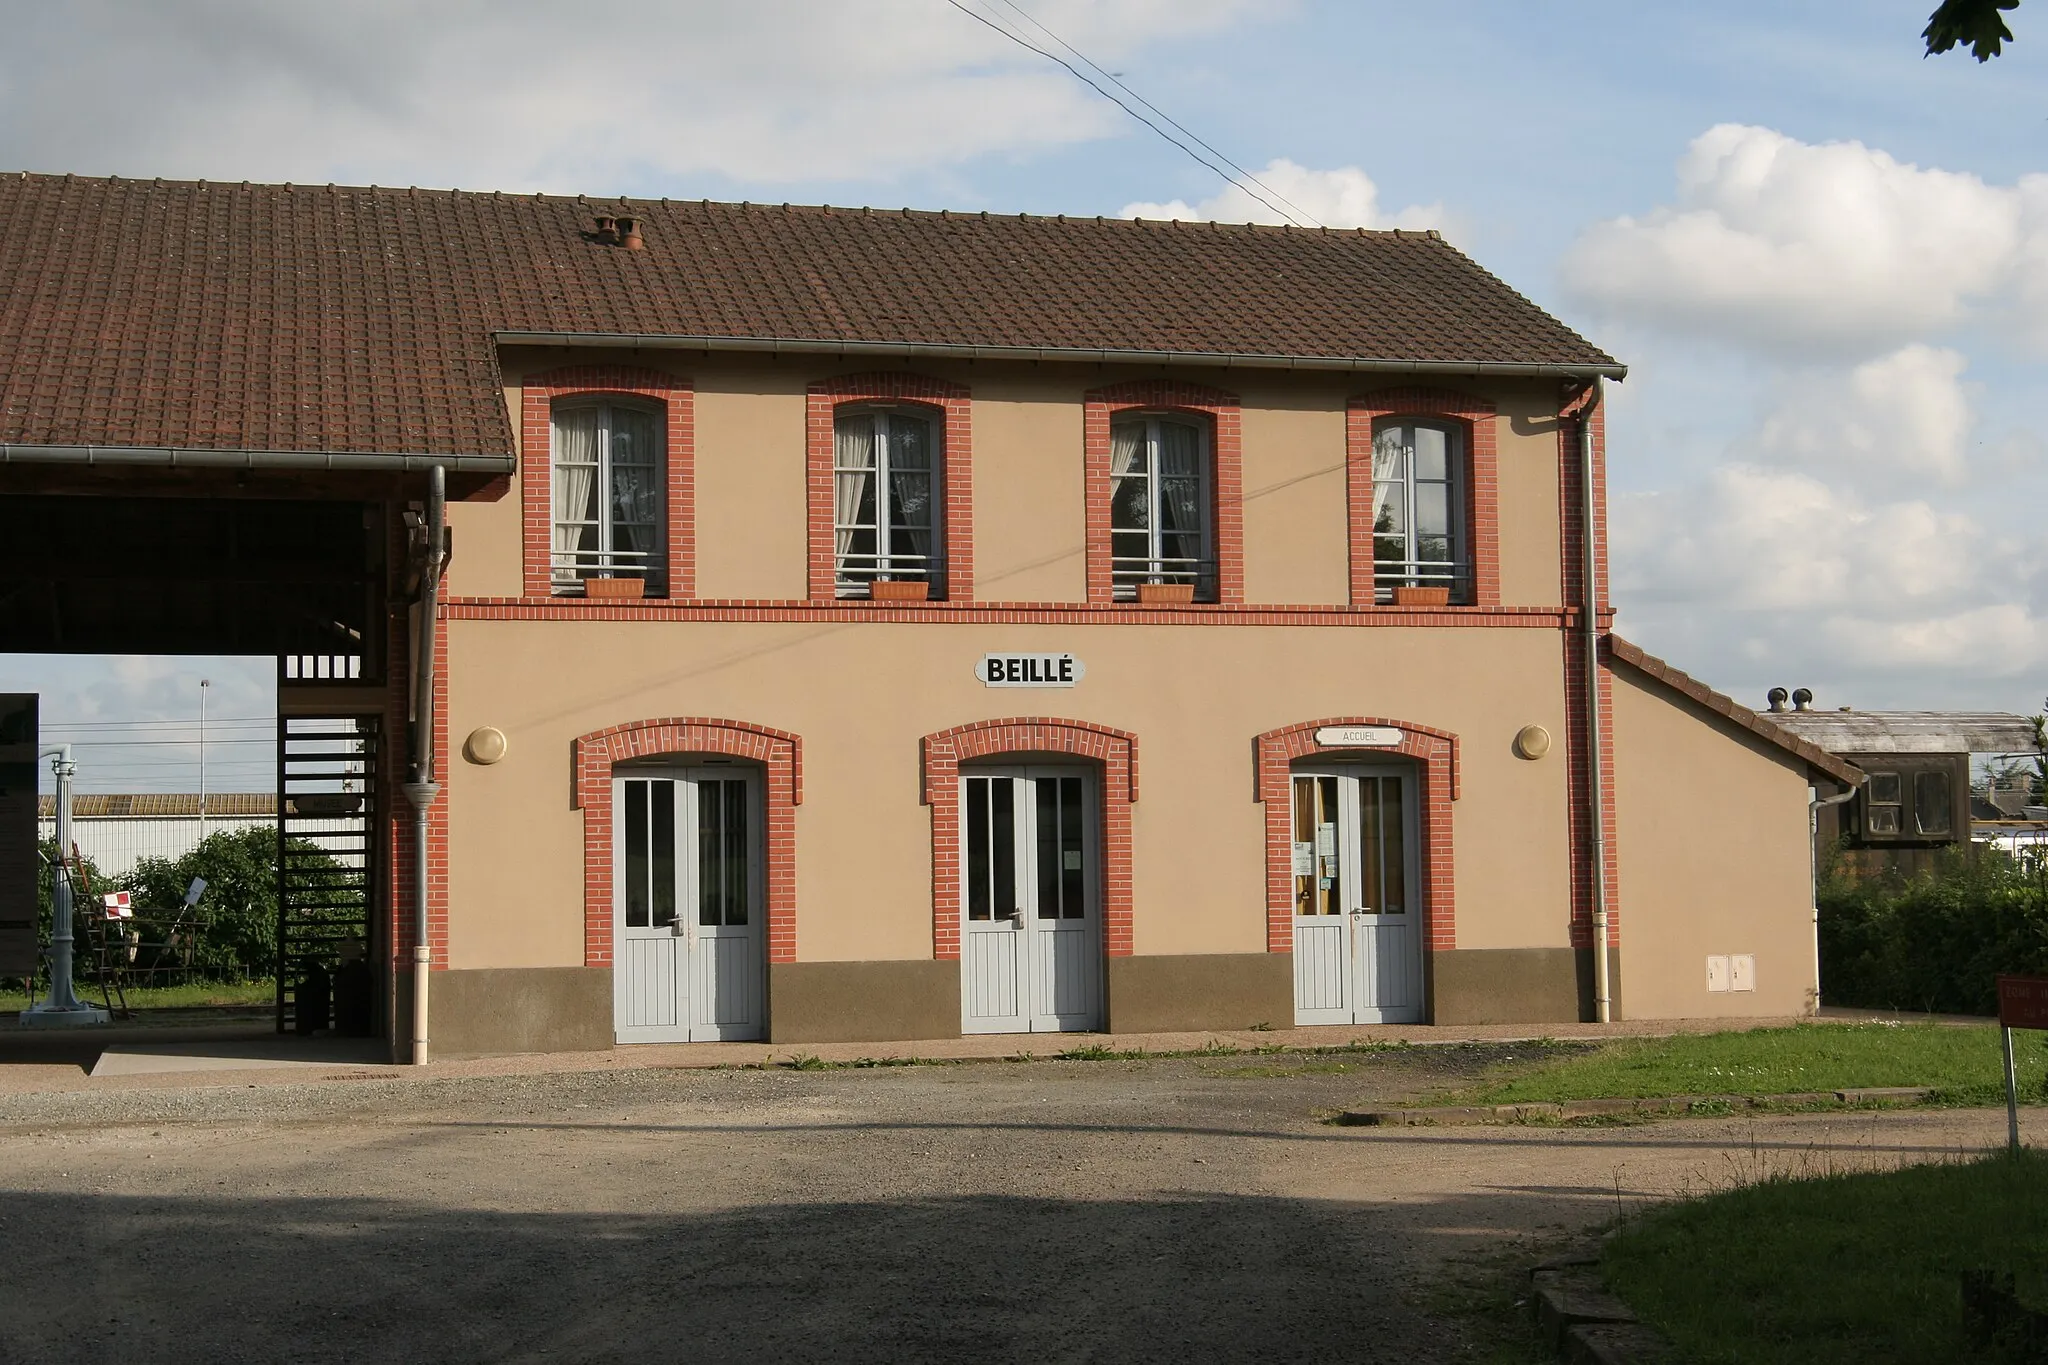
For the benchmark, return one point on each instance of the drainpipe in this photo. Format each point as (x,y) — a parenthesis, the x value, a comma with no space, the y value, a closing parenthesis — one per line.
(1813,809)
(422,789)
(1603,988)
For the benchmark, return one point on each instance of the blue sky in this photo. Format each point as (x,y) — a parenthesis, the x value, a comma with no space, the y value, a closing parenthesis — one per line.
(1821,254)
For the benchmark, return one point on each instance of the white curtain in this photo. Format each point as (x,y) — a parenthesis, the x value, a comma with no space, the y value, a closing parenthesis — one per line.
(575,488)
(1128,503)
(1389,484)
(910,483)
(855,446)
(1180,491)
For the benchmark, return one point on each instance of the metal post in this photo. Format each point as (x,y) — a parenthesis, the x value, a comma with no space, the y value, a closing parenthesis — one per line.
(204,685)
(63,1009)
(2012,1094)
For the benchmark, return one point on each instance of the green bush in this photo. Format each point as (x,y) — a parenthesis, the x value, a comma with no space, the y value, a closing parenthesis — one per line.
(1935,941)
(238,913)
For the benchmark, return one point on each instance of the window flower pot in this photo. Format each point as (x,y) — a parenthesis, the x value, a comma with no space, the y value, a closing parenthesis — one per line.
(899,590)
(1422,597)
(1159,594)
(615,588)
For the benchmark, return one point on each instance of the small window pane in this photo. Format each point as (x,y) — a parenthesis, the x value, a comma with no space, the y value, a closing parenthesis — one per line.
(710,855)
(1432,453)
(1389,454)
(1931,802)
(1073,867)
(1432,509)
(1180,451)
(1128,505)
(1047,800)
(1394,847)
(663,870)
(1884,789)
(636,855)
(979,901)
(910,443)
(1390,510)
(1003,845)
(736,850)
(1882,819)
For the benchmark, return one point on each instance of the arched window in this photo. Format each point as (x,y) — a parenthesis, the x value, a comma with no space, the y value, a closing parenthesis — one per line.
(610,494)
(1418,531)
(887,521)
(1161,505)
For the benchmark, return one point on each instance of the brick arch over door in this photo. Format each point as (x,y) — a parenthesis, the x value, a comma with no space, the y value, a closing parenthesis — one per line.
(779,752)
(1472,414)
(951,404)
(1436,750)
(673,395)
(1114,750)
(1226,453)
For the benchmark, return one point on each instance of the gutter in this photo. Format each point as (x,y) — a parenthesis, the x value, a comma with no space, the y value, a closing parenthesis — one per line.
(1596,795)
(1813,810)
(185,457)
(915,350)
(421,790)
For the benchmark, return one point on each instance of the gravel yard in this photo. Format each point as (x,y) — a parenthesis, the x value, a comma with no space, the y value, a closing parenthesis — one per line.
(1183,1209)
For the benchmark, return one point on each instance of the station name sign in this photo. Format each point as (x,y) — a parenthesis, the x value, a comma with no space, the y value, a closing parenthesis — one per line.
(1359,737)
(1029,670)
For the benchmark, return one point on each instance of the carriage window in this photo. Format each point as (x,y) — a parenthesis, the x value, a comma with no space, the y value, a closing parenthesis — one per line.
(1160,504)
(885,510)
(609,496)
(1418,535)
(1932,804)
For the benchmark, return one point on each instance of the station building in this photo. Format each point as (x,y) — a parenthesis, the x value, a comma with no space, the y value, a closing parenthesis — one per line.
(861,625)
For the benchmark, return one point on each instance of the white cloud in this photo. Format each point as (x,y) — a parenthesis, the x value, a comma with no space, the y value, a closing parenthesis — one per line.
(525,94)
(1795,246)
(1906,414)
(1345,197)
(1801,580)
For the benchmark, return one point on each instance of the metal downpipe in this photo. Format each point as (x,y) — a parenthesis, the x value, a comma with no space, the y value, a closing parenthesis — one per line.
(1596,794)
(1813,810)
(422,789)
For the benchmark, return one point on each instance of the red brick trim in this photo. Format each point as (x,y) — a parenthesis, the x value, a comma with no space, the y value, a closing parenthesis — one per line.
(952,403)
(541,392)
(1573,587)
(1437,751)
(1116,751)
(1226,447)
(1001,613)
(1482,480)
(777,750)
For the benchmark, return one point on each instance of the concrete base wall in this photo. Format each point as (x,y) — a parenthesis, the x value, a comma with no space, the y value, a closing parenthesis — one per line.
(1517,985)
(517,1009)
(863,1002)
(1172,994)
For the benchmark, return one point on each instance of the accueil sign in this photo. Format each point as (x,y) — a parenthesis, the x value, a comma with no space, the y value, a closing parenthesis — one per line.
(1029,670)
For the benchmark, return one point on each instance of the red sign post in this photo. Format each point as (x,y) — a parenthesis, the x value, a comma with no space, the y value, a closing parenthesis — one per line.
(2022,1003)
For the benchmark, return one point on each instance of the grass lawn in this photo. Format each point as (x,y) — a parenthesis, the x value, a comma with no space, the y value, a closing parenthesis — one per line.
(1963,1061)
(197,994)
(1853,1268)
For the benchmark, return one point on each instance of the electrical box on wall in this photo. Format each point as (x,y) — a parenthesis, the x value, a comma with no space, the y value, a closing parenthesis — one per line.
(1742,972)
(1717,974)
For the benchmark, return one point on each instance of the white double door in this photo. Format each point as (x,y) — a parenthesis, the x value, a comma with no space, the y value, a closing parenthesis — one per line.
(1030,914)
(1357,897)
(688,943)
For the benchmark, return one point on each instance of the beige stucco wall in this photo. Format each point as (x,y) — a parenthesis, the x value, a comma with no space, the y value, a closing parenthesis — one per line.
(1712,856)
(1525,445)
(1027,479)
(862,695)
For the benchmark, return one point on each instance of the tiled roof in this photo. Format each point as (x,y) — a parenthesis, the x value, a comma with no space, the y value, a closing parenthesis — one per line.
(289,318)
(1650,666)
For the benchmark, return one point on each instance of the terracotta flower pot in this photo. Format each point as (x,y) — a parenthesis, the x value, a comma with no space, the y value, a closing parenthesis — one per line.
(1161,593)
(1422,597)
(615,587)
(899,590)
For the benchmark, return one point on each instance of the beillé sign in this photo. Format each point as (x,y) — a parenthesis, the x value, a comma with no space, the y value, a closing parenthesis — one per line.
(1029,670)
(1359,737)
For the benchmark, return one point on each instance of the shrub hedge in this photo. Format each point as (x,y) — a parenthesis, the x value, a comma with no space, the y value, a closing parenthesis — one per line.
(1935,941)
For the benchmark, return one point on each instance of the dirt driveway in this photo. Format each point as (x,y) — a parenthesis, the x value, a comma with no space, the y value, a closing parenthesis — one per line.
(1190,1209)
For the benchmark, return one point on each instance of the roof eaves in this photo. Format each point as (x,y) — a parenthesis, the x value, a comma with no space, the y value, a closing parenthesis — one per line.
(1088,355)
(203,458)
(1654,668)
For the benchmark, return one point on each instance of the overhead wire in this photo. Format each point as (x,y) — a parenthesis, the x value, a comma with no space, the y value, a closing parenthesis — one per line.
(1109,95)
(1120,84)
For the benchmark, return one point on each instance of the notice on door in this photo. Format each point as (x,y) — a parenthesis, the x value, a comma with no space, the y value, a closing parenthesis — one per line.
(1029,670)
